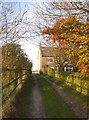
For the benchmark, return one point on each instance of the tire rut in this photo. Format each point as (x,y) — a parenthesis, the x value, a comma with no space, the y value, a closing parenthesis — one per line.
(36,108)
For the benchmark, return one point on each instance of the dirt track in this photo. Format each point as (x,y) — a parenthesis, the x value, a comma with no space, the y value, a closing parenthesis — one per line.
(36,109)
(35,104)
(78,110)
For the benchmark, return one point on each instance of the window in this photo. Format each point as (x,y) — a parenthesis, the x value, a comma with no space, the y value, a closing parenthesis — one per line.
(50,59)
(68,69)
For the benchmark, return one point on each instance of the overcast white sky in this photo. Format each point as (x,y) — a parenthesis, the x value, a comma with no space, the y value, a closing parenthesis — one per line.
(32,52)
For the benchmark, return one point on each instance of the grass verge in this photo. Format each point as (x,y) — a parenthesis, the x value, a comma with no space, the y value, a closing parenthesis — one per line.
(80,98)
(54,106)
(22,100)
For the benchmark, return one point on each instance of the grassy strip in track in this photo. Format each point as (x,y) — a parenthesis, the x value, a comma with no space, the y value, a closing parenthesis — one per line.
(54,106)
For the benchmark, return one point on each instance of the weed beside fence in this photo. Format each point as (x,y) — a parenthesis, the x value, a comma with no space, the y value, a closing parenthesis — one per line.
(75,80)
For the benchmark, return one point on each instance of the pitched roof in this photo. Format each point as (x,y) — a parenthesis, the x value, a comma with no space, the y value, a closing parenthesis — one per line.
(50,51)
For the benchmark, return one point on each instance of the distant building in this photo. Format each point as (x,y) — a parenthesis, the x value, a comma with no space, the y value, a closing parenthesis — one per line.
(49,56)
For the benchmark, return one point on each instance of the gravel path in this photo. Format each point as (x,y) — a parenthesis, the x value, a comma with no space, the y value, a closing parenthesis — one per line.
(79,111)
(36,109)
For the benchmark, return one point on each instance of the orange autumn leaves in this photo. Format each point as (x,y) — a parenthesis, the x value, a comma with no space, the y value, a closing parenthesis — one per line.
(83,64)
(73,37)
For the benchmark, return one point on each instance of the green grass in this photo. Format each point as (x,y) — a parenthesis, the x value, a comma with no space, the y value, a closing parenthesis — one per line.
(22,99)
(54,106)
(82,99)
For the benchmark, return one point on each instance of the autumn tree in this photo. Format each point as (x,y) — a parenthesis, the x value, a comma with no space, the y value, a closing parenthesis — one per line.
(47,13)
(73,37)
(66,22)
